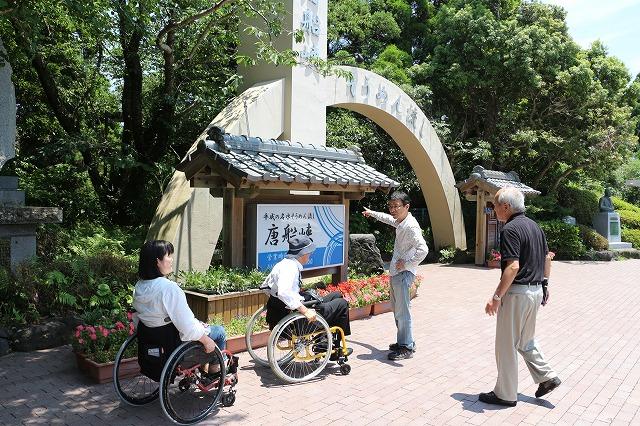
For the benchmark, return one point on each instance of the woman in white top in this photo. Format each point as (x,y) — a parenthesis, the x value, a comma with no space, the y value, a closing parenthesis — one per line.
(159,301)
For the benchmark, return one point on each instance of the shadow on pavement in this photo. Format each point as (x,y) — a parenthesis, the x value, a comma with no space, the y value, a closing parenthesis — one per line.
(470,402)
(374,354)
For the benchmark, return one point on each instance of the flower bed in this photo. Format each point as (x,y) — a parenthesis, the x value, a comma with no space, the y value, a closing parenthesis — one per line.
(368,292)
(101,342)
(96,346)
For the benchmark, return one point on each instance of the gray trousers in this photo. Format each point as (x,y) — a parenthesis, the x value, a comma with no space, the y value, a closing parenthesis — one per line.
(515,332)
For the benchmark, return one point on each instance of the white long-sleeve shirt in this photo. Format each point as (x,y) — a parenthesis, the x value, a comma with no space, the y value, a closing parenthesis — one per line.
(160,299)
(409,245)
(284,282)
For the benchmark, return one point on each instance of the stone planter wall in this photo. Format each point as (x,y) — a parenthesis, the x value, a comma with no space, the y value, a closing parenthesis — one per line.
(359,313)
(381,308)
(238,344)
(103,373)
(243,303)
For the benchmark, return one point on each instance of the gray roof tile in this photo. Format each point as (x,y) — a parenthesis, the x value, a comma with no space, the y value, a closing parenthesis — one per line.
(258,160)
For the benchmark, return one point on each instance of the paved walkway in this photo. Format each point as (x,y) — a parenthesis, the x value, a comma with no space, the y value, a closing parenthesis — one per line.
(590,332)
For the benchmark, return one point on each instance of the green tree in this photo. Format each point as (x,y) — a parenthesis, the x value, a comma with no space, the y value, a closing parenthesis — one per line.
(120,89)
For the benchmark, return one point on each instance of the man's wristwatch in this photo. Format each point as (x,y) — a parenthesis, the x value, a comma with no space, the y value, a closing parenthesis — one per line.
(496,297)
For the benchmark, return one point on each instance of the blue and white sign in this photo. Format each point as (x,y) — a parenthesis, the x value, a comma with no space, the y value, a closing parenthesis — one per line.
(322,223)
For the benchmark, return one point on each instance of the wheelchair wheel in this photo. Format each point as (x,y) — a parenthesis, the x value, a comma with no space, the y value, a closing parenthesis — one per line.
(187,392)
(130,385)
(298,349)
(259,355)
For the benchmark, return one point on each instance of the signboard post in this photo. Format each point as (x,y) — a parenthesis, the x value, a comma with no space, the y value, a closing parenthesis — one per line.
(324,224)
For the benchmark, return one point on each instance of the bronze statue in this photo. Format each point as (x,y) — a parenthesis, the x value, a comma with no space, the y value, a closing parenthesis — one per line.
(605,202)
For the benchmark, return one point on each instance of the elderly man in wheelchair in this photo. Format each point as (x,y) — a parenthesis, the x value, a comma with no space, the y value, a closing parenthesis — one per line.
(307,331)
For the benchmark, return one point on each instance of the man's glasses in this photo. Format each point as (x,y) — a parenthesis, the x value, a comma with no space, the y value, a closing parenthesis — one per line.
(394,206)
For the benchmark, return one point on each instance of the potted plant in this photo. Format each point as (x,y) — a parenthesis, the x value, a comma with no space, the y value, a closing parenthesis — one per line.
(96,345)
(493,259)
(221,291)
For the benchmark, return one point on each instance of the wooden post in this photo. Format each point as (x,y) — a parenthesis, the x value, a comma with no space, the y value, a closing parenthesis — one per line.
(233,228)
(344,269)
(481,227)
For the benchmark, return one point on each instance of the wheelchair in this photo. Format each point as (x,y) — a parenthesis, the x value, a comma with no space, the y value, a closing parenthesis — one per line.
(298,350)
(188,392)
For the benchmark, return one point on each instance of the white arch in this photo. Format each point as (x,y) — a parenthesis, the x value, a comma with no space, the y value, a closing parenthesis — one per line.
(192,218)
(392,109)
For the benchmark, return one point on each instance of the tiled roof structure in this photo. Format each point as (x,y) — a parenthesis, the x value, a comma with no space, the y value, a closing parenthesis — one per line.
(251,161)
(495,180)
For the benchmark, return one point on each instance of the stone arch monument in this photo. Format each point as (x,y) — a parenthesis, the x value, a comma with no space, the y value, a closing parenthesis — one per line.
(290,103)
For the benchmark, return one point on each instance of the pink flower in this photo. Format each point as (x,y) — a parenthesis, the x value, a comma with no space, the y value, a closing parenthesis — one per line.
(80,327)
(93,337)
(81,341)
(90,329)
(105,332)
(119,325)
(129,316)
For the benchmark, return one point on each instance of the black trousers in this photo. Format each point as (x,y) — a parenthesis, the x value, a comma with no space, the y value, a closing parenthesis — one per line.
(334,309)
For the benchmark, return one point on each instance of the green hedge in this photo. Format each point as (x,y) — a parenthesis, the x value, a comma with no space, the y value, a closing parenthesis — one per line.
(591,239)
(620,204)
(629,219)
(582,203)
(629,213)
(563,239)
(632,236)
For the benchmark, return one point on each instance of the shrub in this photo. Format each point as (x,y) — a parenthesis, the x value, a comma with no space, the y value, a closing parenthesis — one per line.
(66,285)
(582,203)
(632,236)
(563,239)
(545,207)
(620,204)
(446,254)
(629,219)
(358,224)
(591,239)
(237,326)
(221,280)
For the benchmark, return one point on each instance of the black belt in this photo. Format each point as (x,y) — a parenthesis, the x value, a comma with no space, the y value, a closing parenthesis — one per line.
(531,283)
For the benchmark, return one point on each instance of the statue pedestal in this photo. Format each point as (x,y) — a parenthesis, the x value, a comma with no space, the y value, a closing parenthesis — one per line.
(607,224)
(18,223)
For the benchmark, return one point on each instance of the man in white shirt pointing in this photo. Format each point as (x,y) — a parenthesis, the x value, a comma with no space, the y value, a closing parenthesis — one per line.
(409,249)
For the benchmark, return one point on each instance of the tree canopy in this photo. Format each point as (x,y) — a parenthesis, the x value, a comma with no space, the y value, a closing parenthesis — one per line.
(112,93)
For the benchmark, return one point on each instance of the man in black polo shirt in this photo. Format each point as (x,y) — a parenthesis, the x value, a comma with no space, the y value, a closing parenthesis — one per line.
(526,265)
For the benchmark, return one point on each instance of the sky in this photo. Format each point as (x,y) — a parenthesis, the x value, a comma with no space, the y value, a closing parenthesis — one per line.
(615,22)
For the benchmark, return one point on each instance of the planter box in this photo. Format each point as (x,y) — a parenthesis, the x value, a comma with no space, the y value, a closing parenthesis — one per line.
(103,373)
(242,303)
(381,308)
(359,313)
(493,263)
(238,344)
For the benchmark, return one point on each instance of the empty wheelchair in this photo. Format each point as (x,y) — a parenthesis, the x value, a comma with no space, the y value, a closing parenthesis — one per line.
(297,350)
(182,378)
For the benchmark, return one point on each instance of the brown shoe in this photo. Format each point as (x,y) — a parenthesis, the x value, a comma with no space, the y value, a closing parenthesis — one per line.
(491,398)
(546,387)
